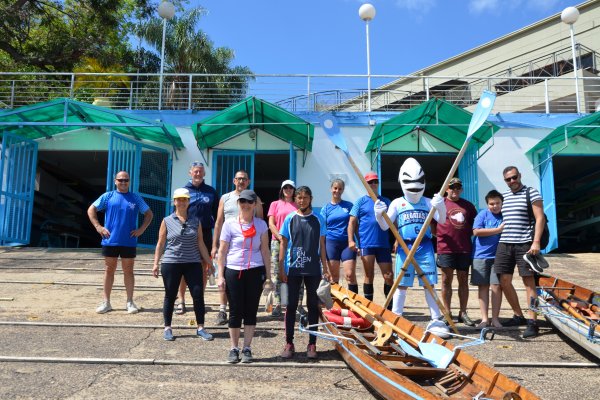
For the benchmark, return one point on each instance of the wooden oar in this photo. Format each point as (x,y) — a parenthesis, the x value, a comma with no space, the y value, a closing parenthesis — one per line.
(334,134)
(486,102)
(383,326)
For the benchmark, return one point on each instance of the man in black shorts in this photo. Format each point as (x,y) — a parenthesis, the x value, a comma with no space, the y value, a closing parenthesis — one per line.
(515,242)
(119,235)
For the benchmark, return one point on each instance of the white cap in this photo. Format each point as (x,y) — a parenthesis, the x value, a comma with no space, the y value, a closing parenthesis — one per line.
(288,182)
(181,193)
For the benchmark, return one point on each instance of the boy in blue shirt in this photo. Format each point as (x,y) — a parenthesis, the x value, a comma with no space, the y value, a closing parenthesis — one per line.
(487,228)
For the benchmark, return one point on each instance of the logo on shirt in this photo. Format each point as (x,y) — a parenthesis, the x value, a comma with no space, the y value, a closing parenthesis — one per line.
(204,199)
(300,257)
(346,210)
(457,218)
(413,217)
(131,205)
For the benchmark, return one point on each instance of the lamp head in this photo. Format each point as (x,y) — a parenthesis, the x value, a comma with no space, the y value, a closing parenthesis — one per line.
(366,12)
(569,15)
(166,10)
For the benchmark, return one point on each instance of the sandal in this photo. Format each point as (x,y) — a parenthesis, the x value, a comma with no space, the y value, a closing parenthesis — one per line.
(180,309)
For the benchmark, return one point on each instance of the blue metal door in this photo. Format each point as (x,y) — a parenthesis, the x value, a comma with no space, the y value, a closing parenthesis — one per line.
(226,164)
(292,162)
(17,181)
(467,172)
(546,172)
(149,169)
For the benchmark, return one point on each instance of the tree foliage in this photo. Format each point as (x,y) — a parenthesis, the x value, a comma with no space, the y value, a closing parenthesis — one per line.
(54,35)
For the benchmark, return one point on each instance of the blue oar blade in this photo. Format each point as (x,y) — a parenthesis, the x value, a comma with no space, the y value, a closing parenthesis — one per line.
(482,111)
(331,128)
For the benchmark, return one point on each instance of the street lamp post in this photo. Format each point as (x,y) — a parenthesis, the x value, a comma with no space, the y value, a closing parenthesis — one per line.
(166,11)
(366,12)
(569,16)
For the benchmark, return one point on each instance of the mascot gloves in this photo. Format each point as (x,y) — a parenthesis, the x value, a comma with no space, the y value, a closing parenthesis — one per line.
(379,208)
(438,203)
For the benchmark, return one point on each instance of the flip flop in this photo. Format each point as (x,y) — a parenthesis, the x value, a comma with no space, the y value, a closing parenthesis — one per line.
(180,309)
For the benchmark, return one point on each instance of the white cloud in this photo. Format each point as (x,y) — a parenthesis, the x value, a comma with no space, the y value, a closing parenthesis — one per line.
(500,6)
(420,6)
(481,6)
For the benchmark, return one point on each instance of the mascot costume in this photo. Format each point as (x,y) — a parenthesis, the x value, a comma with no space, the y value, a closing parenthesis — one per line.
(410,213)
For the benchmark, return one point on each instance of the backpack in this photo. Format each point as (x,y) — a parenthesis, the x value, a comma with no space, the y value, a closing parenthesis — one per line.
(545,239)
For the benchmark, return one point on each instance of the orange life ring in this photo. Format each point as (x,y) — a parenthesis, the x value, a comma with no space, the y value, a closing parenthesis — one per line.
(346,318)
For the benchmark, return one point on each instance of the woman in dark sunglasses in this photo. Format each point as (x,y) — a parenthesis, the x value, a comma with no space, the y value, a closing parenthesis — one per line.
(244,271)
(181,240)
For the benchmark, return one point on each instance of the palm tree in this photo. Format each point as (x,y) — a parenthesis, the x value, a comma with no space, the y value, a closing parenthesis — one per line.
(188,50)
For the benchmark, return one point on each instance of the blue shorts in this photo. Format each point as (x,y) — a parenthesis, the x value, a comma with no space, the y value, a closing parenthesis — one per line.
(424,257)
(382,254)
(338,250)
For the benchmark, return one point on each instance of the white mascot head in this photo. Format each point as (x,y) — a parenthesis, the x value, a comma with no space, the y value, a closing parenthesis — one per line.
(412,180)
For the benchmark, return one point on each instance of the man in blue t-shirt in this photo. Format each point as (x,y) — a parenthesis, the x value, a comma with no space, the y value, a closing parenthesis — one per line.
(373,242)
(487,228)
(119,235)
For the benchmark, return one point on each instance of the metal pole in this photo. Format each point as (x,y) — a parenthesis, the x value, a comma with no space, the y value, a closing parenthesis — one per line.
(546,97)
(162,64)
(368,69)
(575,68)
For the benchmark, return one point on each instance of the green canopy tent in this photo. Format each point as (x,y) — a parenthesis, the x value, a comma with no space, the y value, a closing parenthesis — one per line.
(438,118)
(44,120)
(587,128)
(252,114)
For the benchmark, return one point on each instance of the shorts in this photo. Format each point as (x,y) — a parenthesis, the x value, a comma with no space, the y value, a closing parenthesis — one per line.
(481,273)
(457,261)
(426,260)
(116,251)
(382,254)
(339,250)
(510,254)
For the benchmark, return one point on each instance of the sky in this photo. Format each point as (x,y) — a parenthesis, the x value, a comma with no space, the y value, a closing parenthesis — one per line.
(328,37)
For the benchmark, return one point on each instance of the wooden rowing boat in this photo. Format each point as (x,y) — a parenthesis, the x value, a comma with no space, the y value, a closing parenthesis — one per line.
(400,360)
(572,309)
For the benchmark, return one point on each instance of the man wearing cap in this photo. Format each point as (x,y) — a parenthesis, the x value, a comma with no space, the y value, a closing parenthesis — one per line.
(203,205)
(454,247)
(228,208)
(119,235)
(373,242)
(278,210)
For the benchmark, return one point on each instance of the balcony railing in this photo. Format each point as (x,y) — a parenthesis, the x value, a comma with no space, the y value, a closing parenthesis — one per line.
(301,93)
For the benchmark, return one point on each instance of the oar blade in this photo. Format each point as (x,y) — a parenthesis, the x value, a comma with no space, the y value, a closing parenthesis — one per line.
(333,132)
(482,111)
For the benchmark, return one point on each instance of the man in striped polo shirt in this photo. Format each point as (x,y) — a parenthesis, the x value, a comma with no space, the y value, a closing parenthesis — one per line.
(515,242)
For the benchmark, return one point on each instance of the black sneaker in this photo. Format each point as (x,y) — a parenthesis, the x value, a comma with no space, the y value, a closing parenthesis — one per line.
(221,318)
(532,329)
(246,356)
(234,356)
(464,318)
(537,262)
(516,320)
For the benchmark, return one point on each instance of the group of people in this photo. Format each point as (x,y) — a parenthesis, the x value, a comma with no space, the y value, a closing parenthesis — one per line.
(306,247)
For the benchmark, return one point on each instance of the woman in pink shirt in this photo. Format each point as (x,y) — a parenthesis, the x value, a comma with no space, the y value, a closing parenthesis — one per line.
(278,210)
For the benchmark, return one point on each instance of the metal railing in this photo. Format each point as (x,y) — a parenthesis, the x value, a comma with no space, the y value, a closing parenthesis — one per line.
(301,93)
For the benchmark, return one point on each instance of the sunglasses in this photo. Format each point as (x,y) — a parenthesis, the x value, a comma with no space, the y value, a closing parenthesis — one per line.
(196,164)
(183,226)
(512,178)
(122,180)
(241,179)
(246,201)
(455,187)
(373,182)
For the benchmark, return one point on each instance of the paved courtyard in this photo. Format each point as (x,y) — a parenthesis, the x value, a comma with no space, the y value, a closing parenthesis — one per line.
(55,346)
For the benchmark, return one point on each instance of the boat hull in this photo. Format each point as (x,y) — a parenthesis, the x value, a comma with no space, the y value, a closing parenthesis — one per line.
(394,375)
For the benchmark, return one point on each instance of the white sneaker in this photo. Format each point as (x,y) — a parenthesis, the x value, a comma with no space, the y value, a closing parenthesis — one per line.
(132,308)
(104,307)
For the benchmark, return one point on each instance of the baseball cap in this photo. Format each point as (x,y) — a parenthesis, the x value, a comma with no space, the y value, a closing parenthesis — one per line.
(371,176)
(455,181)
(288,182)
(181,193)
(248,195)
